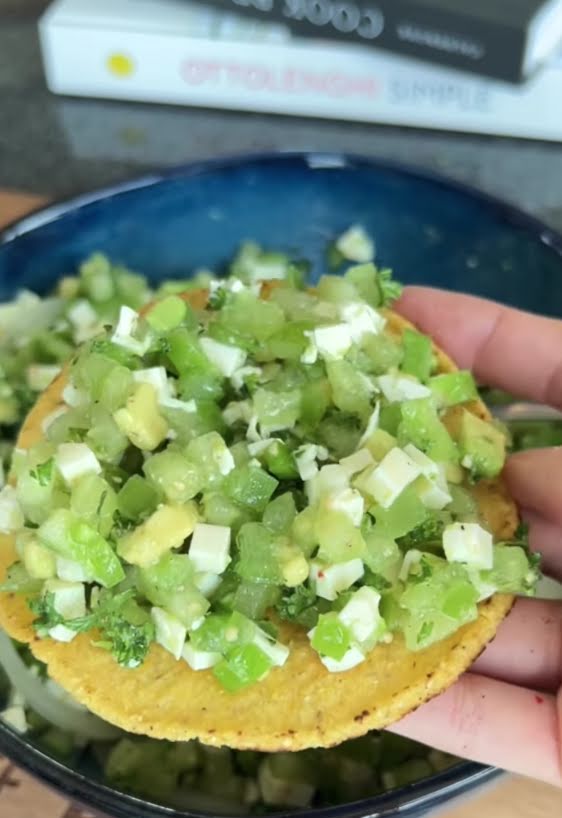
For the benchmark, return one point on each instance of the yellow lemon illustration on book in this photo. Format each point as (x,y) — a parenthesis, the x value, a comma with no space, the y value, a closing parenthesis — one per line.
(120,65)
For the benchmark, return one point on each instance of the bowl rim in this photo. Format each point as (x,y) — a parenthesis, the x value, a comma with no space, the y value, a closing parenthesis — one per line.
(95,794)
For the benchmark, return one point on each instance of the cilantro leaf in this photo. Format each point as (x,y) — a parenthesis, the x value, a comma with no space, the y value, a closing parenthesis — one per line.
(390,290)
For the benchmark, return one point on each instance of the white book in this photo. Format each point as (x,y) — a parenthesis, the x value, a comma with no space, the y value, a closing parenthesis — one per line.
(177,53)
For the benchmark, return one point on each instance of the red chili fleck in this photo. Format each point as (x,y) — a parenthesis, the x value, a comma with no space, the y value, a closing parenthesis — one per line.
(539,699)
(320,574)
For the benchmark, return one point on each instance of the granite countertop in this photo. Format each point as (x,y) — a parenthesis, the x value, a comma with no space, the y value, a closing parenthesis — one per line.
(60,146)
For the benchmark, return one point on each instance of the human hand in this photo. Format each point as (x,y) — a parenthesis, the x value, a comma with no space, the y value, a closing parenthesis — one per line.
(507,710)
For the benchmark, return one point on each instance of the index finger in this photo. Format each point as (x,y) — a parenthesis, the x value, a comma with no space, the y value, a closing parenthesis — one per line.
(503,347)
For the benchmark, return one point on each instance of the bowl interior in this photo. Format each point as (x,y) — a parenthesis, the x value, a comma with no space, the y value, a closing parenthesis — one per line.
(427,230)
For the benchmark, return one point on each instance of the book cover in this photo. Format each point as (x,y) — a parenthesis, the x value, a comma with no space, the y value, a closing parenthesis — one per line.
(504,39)
(206,63)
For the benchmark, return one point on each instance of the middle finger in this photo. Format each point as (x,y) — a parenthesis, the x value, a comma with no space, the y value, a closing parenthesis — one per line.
(527,650)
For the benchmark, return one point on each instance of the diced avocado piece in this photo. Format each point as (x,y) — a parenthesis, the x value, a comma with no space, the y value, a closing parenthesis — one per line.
(422,426)
(140,419)
(164,530)
(481,445)
(39,561)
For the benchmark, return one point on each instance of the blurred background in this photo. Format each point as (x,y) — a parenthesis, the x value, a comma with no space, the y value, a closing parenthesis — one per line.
(57,144)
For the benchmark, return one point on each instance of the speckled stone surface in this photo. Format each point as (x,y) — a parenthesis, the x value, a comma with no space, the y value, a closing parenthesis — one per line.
(60,146)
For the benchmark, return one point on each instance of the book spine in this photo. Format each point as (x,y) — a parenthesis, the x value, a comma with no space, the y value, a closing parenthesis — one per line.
(454,39)
(312,79)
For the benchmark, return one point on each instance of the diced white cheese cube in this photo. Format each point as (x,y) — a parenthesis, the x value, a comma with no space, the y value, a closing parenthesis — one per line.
(350,502)
(396,387)
(60,633)
(71,571)
(207,582)
(69,598)
(84,320)
(276,652)
(170,633)
(199,659)
(361,614)
(427,466)
(467,461)
(11,515)
(434,494)
(372,424)
(362,320)
(237,377)
(332,342)
(356,245)
(74,460)
(350,659)
(329,480)
(310,354)
(330,580)
(225,357)
(395,472)
(49,419)
(357,462)
(306,457)
(237,410)
(157,377)
(39,376)
(469,543)
(412,559)
(125,331)
(73,396)
(210,548)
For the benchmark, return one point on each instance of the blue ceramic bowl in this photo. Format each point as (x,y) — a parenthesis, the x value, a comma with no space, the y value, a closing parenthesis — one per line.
(428,230)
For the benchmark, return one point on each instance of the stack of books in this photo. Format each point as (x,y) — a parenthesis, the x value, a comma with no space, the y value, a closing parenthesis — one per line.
(178,52)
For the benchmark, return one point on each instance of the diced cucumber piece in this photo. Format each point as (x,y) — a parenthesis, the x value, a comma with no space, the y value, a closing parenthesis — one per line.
(243,666)
(363,277)
(287,343)
(93,500)
(340,433)
(463,506)
(315,401)
(186,355)
(137,499)
(303,530)
(384,558)
(212,458)
(383,353)
(331,637)
(250,486)
(438,604)
(351,391)
(390,419)
(511,572)
(39,561)
(221,510)
(421,426)
(337,289)
(452,388)
(173,475)
(105,438)
(253,599)
(69,536)
(280,461)
(406,513)
(280,514)
(167,314)
(258,555)
(337,536)
(277,410)
(418,355)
